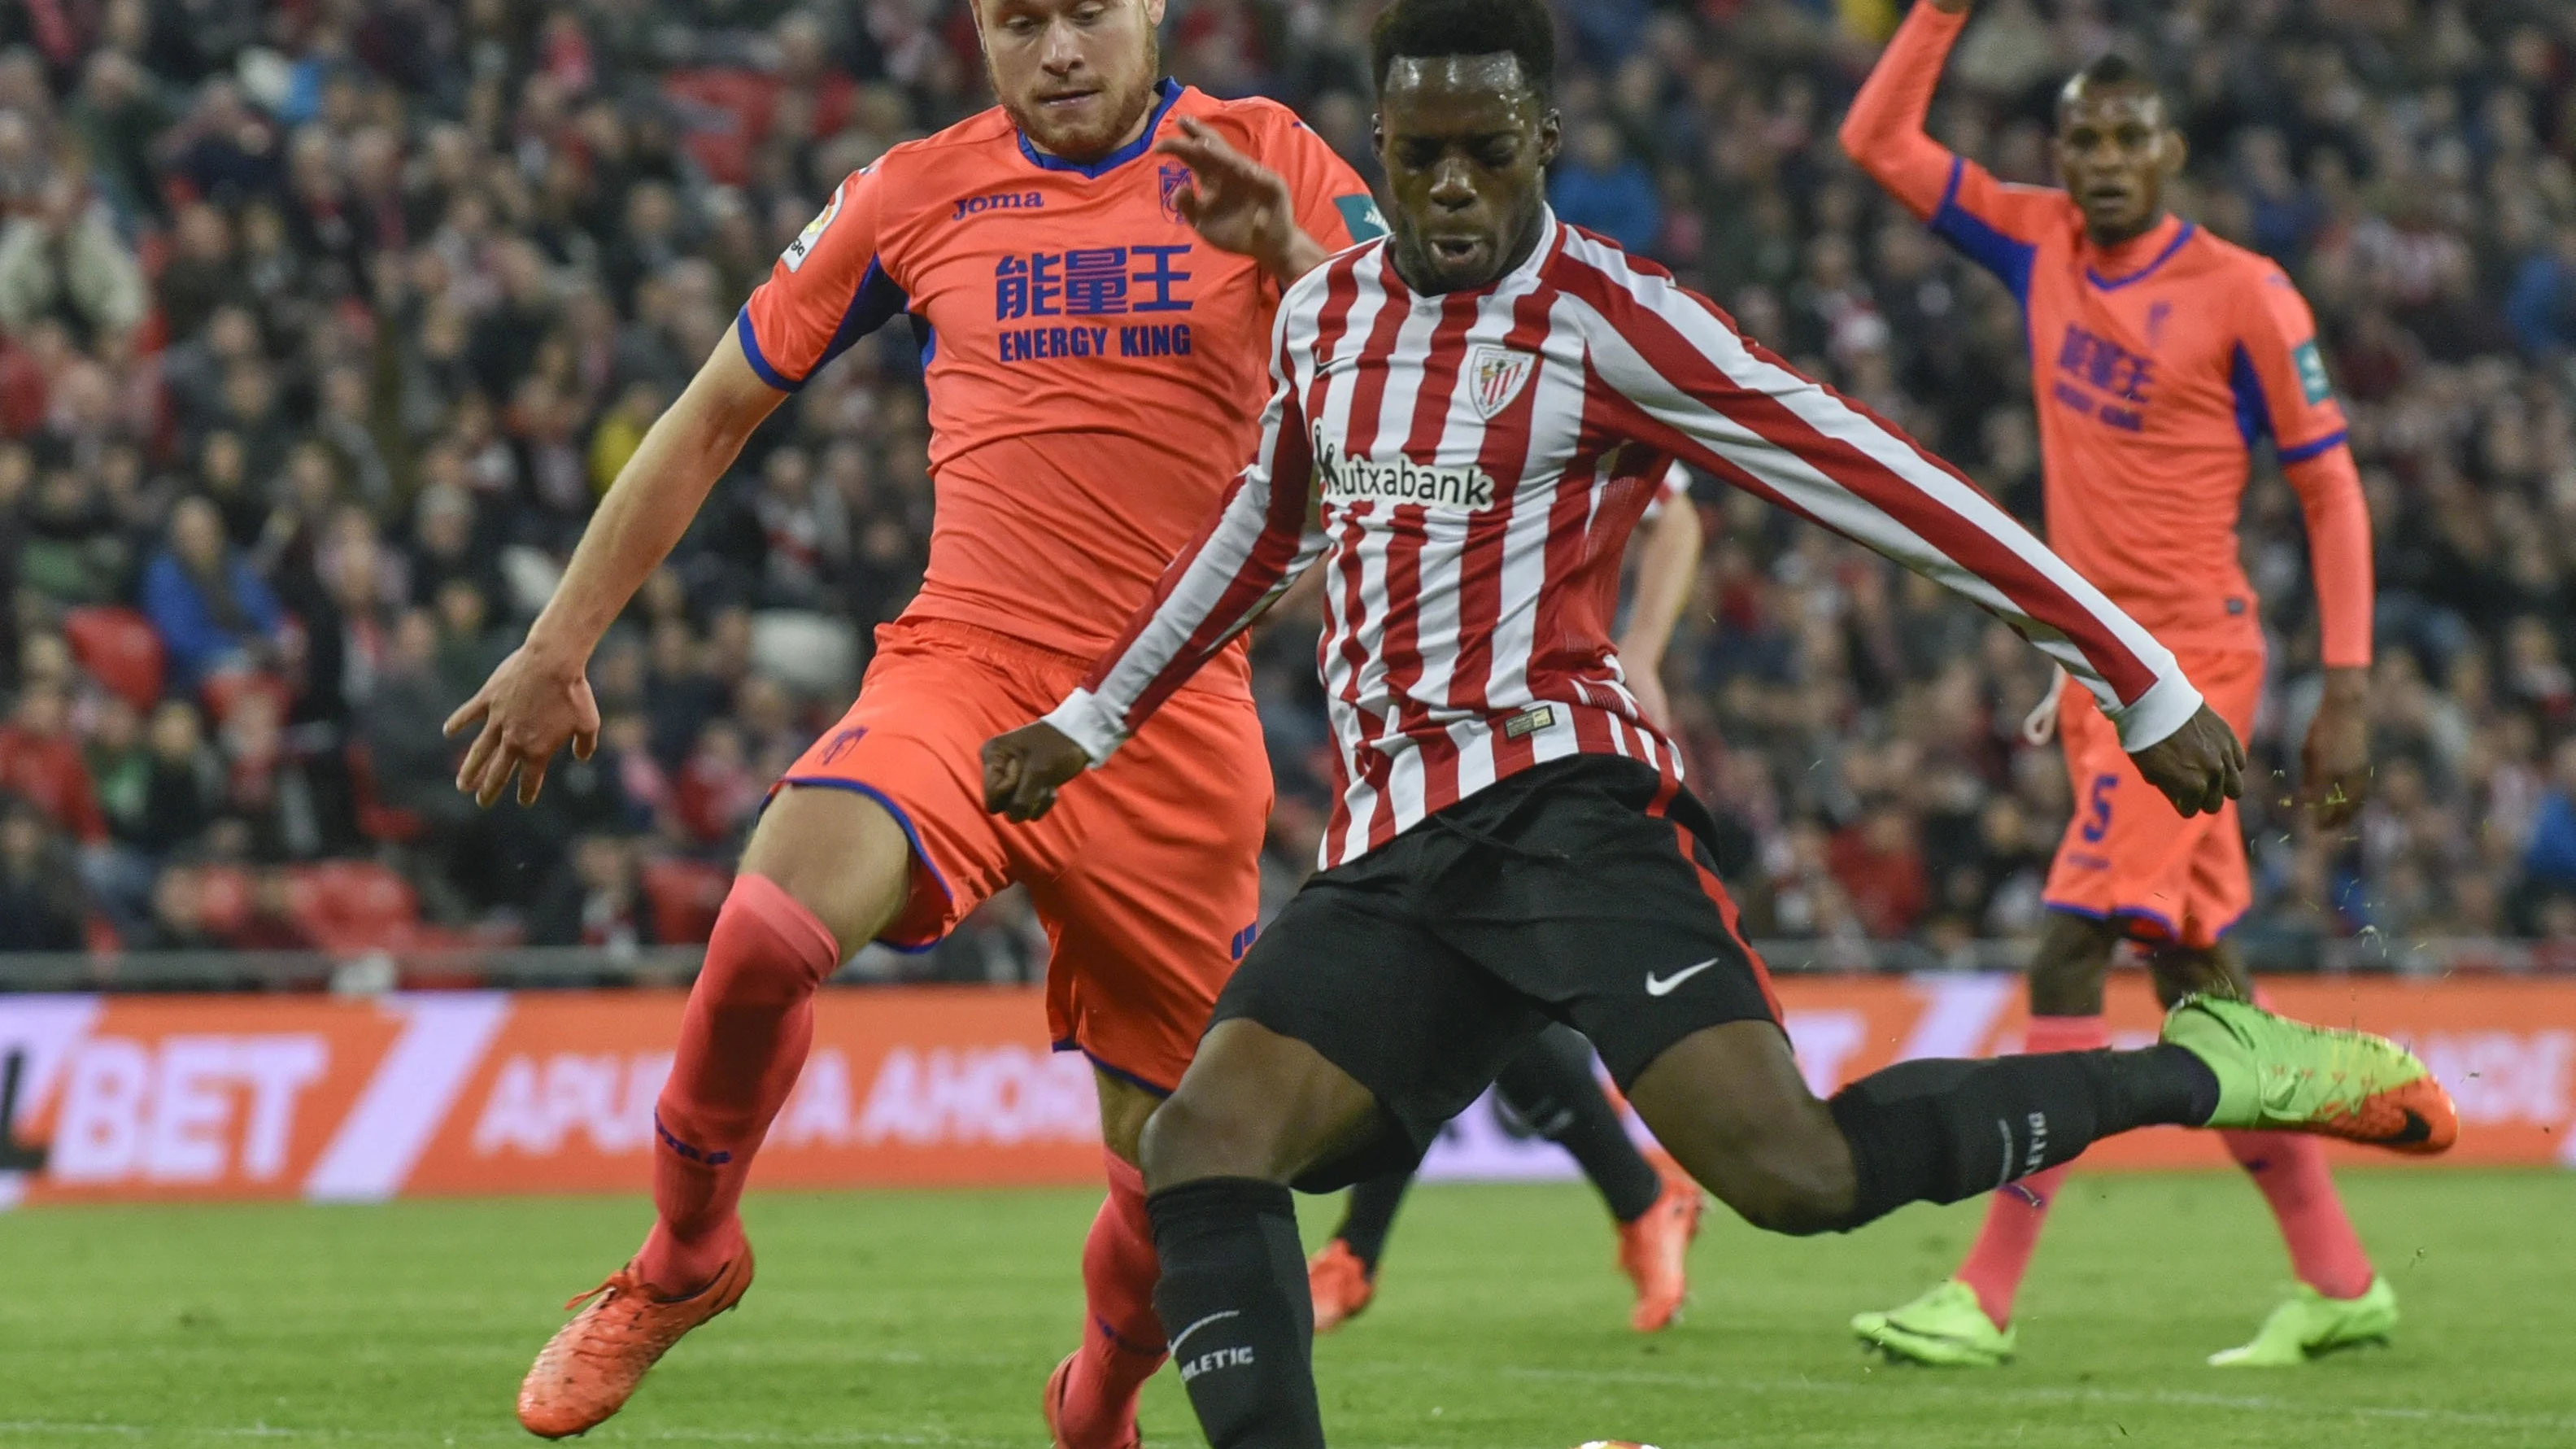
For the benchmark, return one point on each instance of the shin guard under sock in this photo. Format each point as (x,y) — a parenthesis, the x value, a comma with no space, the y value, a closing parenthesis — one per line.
(1233,1297)
(743,1040)
(1941,1131)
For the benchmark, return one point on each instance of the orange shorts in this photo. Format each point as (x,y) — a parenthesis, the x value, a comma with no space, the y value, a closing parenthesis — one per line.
(1147,873)
(2127,855)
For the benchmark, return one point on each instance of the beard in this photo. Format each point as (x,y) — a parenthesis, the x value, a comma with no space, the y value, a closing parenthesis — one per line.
(1090,139)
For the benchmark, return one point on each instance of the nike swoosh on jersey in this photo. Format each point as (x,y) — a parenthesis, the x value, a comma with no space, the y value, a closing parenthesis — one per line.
(1665,985)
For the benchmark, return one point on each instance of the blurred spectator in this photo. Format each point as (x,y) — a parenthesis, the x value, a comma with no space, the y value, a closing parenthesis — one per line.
(40,895)
(212,609)
(1600,186)
(65,262)
(41,764)
(597,901)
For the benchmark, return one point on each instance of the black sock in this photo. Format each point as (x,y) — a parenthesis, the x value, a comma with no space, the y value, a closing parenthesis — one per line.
(1369,1215)
(1940,1131)
(1233,1297)
(1550,1089)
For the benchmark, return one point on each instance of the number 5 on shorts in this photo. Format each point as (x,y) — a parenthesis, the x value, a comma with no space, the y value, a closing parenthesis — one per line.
(2097,808)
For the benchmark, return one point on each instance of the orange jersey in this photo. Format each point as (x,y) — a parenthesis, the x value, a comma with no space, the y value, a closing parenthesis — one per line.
(2157,366)
(1096,370)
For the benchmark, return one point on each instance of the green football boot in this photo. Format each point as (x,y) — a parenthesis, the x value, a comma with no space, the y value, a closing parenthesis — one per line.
(1945,1328)
(2279,1075)
(2309,1324)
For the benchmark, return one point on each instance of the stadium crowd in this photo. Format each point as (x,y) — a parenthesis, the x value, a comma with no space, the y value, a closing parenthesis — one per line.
(322,325)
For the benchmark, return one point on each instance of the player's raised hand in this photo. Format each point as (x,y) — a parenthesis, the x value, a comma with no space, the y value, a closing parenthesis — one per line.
(2334,761)
(1024,769)
(2198,767)
(532,704)
(1238,204)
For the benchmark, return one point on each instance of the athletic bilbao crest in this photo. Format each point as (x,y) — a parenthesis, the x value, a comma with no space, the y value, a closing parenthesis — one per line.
(1495,376)
(803,246)
(1172,177)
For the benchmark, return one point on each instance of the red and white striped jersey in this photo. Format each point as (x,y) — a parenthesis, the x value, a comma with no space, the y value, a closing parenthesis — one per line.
(1471,502)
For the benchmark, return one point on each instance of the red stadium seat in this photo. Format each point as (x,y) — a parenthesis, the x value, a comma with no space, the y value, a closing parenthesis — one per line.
(117,646)
(684,896)
(355,905)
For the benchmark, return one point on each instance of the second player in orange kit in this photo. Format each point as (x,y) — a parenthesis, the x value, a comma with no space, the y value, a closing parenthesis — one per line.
(2161,356)
(1090,270)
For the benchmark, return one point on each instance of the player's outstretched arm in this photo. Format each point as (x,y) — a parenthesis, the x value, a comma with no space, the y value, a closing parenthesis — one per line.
(1240,205)
(1687,383)
(1883,132)
(540,696)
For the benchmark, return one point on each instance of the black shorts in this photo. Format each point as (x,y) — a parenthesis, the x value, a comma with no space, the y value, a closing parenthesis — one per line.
(1582,891)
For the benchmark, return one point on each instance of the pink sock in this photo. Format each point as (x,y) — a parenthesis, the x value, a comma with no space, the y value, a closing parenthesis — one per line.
(1994,1267)
(742,1042)
(1122,1340)
(2290,1168)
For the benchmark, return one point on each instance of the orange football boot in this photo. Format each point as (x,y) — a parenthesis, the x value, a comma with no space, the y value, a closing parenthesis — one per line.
(1340,1284)
(591,1366)
(1653,1252)
(1052,1405)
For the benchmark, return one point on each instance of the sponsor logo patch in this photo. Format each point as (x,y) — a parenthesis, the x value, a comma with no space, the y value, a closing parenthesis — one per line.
(1351,480)
(803,246)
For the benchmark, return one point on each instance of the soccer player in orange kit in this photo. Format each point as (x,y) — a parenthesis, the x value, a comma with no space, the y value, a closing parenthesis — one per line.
(1091,269)
(2159,355)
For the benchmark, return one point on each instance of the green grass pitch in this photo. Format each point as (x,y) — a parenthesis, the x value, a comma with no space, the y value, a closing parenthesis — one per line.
(931,1318)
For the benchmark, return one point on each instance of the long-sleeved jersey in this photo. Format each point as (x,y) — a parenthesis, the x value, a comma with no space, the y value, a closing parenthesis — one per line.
(1470,504)
(2157,365)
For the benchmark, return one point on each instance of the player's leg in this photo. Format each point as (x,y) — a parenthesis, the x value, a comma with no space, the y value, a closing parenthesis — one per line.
(743,1039)
(1090,1398)
(1149,883)
(878,831)
(1350,1035)
(1342,1275)
(2340,1300)
(1966,1320)
(1550,1090)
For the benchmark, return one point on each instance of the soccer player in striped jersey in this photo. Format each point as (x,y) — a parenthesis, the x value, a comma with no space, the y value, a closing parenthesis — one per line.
(1550,1090)
(2162,356)
(1513,843)
(1088,269)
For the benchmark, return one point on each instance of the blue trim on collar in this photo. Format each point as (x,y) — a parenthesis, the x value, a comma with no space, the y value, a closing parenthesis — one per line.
(2113,284)
(1170,90)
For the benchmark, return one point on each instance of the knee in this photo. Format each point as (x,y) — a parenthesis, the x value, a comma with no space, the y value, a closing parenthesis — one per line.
(1195,1135)
(767,948)
(1792,1174)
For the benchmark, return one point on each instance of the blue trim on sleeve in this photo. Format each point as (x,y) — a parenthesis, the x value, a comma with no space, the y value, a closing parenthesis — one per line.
(877,299)
(742,329)
(1170,91)
(2113,284)
(1979,242)
(911,833)
(2305,451)
(2253,415)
